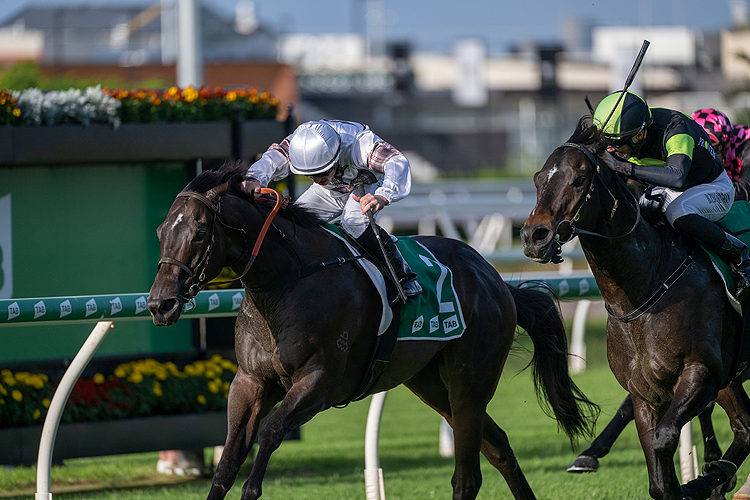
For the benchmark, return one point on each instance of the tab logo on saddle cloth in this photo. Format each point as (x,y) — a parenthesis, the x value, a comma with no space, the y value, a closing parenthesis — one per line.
(437,301)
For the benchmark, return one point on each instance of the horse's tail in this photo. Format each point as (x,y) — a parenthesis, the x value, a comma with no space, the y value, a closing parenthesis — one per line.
(539,316)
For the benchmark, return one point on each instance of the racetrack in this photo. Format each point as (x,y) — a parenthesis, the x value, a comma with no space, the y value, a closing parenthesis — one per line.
(328,462)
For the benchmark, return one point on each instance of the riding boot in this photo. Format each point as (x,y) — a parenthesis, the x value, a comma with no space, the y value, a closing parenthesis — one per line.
(406,277)
(735,252)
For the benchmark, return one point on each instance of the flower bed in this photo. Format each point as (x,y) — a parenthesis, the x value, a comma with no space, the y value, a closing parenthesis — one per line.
(137,389)
(96,105)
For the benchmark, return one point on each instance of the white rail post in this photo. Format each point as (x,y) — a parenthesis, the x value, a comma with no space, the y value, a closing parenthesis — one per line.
(52,420)
(688,460)
(446,444)
(374,485)
(577,361)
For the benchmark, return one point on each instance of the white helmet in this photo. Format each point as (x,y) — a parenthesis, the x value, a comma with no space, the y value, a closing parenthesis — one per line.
(314,148)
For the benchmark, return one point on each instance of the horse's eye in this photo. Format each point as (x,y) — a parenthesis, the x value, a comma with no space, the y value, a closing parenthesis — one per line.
(579,181)
(200,234)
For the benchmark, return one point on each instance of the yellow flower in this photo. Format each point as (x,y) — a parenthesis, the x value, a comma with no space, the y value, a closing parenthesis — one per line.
(17,395)
(35,381)
(16,112)
(9,381)
(3,390)
(135,378)
(201,399)
(213,387)
(37,414)
(45,402)
(173,91)
(6,373)
(99,379)
(120,372)
(157,389)
(190,370)
(231,96)
(226,386)
(210,373)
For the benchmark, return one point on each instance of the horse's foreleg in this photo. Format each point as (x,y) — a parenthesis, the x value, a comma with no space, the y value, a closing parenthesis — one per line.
(303,401)
(588,461)
(692,393)
(247,404)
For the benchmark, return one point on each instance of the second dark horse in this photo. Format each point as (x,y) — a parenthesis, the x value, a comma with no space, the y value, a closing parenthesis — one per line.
(673,355)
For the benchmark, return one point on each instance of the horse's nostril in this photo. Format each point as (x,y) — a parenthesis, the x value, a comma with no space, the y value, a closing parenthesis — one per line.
(167,306)
(540,234)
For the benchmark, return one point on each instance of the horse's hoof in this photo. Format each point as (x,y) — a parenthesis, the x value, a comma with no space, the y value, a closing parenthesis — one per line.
(584,463)
(697,489)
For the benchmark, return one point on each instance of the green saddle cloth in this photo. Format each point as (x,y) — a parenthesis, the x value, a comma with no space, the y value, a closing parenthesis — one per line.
(737,222)
(434,314)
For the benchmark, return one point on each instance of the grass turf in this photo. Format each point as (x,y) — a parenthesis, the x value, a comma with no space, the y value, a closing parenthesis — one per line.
(328,462)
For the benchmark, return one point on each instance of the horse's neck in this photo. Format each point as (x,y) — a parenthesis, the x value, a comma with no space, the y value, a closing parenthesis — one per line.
(285,248)
(628,269)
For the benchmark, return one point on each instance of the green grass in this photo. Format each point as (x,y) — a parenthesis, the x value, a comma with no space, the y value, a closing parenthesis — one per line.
(328,462)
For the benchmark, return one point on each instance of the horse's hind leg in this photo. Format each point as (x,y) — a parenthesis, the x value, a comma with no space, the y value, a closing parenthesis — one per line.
(734,401)
(247,405)
(711,449)
(588,461)
(495,446)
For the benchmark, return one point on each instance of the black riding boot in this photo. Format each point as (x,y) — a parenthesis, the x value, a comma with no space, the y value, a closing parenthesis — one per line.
(735,252)
(724,244)
(405,275)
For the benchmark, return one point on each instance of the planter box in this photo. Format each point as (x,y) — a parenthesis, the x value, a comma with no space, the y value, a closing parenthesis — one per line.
(132,142)
(20,445)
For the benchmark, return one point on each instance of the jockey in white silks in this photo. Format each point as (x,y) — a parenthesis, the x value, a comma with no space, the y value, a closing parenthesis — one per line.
(338,156)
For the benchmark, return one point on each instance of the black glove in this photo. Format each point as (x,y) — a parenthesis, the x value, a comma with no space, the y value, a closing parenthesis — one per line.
(621,167)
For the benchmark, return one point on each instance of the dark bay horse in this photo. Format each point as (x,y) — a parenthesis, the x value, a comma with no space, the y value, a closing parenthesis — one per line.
(670,331)
(306,344)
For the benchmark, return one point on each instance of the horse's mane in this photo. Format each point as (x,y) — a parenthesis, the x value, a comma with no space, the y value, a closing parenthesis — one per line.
(233,173)
(587,134)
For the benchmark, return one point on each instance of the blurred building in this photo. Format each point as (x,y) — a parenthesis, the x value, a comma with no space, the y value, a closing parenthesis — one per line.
(464,110)
(135,43)
(470,110)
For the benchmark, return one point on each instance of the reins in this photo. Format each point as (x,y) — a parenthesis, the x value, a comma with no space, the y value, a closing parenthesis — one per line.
(203,263)
(665,286)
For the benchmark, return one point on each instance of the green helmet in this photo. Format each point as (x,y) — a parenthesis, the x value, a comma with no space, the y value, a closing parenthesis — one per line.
(629,115)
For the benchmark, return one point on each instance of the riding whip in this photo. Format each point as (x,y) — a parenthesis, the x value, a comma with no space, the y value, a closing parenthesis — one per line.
(399,289)
(629,79)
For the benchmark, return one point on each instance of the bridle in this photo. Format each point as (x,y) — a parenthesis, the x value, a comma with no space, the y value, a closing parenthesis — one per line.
(671,279)
(200,270)
(559,240)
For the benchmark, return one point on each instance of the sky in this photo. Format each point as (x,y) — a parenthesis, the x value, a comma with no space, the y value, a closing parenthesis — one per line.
(436,24)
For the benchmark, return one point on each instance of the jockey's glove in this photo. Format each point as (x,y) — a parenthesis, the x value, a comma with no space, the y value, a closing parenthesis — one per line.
(621,167)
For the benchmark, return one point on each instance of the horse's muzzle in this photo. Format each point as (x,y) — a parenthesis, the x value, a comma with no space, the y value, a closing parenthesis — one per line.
(164,311)
(537,243)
